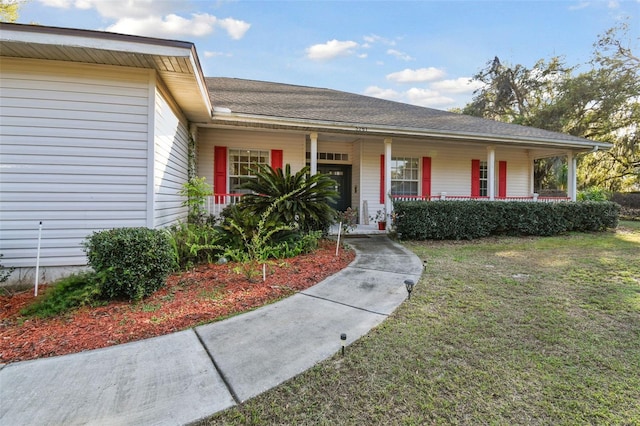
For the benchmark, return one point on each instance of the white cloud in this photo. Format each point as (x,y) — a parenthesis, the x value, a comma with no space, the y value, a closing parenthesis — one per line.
(61,4)
(155,18)
(400,55)
(210,54)
(579,6)
(378,92)
(235,28)
(170,25)
(373,38)
(331,49)
(427,97)
(458,85)
(416,76)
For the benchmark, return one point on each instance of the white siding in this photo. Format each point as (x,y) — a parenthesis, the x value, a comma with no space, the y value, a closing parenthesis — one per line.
(292,145)
(73,148)
(171,161)
(450,168)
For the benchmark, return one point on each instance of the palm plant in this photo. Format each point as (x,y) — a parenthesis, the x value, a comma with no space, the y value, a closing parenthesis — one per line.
(308,206)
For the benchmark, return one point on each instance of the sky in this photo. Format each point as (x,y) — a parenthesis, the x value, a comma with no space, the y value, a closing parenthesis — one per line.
(418,52)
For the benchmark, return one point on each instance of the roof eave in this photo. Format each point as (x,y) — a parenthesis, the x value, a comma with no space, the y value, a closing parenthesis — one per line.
(283,123)
(188,89)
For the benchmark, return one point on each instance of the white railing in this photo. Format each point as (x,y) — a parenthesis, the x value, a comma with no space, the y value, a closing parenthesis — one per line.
(217,202)
(444,196)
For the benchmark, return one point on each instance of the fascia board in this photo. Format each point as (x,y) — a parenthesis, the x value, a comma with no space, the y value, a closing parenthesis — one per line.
(364,129)
(101,41)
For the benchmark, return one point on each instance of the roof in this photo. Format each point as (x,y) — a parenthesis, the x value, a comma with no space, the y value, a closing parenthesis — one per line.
(290,105)
(176,62)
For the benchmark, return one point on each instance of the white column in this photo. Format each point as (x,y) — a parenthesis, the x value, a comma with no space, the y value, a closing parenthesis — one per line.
(313,160)
(571,176)
(387,178)
(491,172)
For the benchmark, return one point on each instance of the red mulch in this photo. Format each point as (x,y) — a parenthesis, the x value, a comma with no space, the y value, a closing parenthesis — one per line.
(208,293)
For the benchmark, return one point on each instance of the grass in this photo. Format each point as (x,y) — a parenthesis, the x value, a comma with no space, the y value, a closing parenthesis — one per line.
(498,331)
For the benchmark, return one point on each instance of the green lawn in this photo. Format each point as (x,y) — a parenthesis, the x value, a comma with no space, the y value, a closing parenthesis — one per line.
(498,331)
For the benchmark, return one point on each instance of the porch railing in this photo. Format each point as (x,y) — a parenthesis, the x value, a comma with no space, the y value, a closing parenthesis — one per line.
(217,202)
(444,196)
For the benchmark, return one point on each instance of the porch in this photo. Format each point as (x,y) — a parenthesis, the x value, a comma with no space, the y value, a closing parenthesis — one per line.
(216,203)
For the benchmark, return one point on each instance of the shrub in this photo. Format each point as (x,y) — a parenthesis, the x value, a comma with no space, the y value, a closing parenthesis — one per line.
(134,262)
(71,292)
(196,243)
(456,220)
(196,190)
(5,273)
(307,205)
(593,194)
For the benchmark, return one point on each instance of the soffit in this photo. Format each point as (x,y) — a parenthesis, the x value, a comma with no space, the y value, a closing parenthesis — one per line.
(175,62)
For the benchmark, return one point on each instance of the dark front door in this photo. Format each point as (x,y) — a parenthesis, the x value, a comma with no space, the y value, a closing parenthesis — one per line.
(342,176)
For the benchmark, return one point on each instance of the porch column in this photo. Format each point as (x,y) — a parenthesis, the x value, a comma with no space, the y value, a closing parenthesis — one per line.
(313,160)
(387,177)
(491,172)
(571,176)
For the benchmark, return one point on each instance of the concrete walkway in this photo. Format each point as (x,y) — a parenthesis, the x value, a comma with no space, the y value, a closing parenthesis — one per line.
(183,377)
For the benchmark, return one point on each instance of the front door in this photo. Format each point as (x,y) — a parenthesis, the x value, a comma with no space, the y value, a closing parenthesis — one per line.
(341,174)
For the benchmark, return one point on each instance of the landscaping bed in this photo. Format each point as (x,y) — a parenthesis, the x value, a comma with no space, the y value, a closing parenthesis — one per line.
(205,294)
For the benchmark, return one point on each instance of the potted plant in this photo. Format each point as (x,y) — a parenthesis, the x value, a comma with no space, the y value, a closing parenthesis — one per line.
(381,218)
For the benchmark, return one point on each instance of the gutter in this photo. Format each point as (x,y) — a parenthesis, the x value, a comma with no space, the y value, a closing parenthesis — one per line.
(225,117)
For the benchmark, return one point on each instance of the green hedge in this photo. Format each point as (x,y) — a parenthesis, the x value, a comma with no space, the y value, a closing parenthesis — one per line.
(133,262)
(466,220)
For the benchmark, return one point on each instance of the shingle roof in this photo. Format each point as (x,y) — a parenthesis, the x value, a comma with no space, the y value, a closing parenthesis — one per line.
(293,102)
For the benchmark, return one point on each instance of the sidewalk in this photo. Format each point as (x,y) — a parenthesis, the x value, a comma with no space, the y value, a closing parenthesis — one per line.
(186,376)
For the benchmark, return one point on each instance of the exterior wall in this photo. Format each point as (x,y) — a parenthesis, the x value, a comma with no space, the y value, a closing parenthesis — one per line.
(171,160)
(450,168)
(74,148)
(450,165)
(292,144)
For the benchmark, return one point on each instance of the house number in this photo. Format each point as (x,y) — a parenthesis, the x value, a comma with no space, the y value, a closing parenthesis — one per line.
(361,129)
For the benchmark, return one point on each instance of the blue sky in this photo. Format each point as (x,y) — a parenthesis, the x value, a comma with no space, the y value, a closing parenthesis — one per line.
(419,52)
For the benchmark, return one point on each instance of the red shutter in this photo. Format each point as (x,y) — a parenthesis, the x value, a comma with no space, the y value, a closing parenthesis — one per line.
(382,179)
(219,172)
(502,179)
(276,158)
(475,178)
(426,177)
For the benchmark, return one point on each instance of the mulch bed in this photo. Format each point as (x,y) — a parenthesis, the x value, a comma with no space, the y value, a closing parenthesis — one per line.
(205,294)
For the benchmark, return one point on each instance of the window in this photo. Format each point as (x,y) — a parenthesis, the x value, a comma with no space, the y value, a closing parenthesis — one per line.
(242,163)
(404,175)
(484,179)
(329,156)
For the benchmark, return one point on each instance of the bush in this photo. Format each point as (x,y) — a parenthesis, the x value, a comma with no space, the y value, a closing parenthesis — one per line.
(196,191)
(593,194)
(457,220)
(5,273)
(630,202)
(195,244)
(134,262)
(72,292)
(307,205)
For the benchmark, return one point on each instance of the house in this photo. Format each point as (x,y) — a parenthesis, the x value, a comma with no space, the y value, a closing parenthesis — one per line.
(98,130)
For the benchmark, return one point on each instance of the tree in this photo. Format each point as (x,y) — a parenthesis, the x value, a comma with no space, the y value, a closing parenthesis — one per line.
(9,10)
(602,104)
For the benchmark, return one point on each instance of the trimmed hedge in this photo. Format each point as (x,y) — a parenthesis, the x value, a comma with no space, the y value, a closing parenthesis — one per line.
(133,262)
(466,220)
